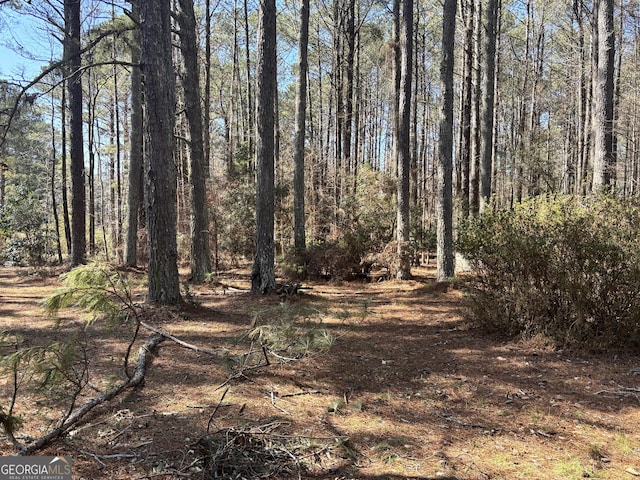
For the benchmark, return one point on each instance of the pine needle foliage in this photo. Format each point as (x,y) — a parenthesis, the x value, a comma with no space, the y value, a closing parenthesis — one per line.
(59,370)
(55,367)
(96,288)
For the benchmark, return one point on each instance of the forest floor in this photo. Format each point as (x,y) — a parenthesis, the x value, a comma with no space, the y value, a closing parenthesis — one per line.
(407,390)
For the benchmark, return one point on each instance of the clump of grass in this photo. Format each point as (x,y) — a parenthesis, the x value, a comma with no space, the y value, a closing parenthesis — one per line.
(291,331)
(385,452)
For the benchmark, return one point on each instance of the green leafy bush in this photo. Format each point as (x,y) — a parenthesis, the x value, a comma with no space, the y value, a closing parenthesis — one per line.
(22,229)
(565,267)
(339,259)
(235,219)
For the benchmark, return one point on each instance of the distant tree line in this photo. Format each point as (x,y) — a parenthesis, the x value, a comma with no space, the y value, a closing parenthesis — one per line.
(232,130)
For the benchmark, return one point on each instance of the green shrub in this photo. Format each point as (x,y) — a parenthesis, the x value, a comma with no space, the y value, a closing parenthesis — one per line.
(235,219)
(23,229)
(566,267)
(340,259)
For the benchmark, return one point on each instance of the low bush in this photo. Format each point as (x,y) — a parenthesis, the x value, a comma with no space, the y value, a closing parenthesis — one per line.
(565,267)
(339,259)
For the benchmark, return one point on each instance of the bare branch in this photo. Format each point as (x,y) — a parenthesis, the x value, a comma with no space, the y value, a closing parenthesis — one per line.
(53,67)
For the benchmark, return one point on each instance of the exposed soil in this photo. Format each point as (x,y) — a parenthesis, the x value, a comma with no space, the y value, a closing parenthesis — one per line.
(406,390)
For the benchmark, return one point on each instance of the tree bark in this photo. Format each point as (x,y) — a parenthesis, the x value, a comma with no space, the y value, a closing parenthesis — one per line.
(76,143)
(263,273)
(466,107)
(52,182)
(488,103)
(160,168)
(301,106)
(474,175)
(207,89)
(200,259)
(136,187)
(63,162)
(403,149)
(604,161)
(444,206)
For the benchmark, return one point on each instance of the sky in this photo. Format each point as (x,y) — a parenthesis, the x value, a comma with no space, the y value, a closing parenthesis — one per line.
(25,46)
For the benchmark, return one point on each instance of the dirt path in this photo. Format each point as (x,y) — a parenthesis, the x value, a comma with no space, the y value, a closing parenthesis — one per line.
(407,390)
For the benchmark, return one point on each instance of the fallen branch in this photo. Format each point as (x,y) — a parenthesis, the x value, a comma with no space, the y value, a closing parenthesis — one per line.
(182,342)
(135,380)
(627,392)
(306,392)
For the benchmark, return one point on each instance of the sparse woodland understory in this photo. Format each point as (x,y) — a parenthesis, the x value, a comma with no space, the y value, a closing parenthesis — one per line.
(348,379)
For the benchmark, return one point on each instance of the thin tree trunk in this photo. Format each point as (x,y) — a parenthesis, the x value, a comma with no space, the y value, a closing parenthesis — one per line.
(52,184)
(207,89)
(582,101)
(488,103)
(91,179)
(136,187)
(474,176)
(117,233)
(200,260)
(466,107)
(250,101)
(301,105)
(604,161)
(63,164)
(403,149)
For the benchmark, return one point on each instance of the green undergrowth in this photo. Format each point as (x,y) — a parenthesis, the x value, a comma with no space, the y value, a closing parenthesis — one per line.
(566,267)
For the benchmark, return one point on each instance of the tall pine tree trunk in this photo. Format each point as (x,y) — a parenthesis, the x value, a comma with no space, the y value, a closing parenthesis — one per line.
(466,107)
(76,143)
(263,273)
(488,102)
(403,149)
(52,181)
(200,260)
(474,175)
(301,106)
(136,187)
(444,205)
(63,163)
(160,168)
(604,161)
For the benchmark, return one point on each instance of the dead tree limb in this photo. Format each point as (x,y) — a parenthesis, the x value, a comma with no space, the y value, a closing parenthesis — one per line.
(75,417)
(182,342)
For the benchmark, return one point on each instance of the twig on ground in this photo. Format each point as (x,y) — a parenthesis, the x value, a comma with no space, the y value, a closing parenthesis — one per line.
(113,456)
(129,347)
(273,402)
(627,392)
(213,414)
(306,392)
